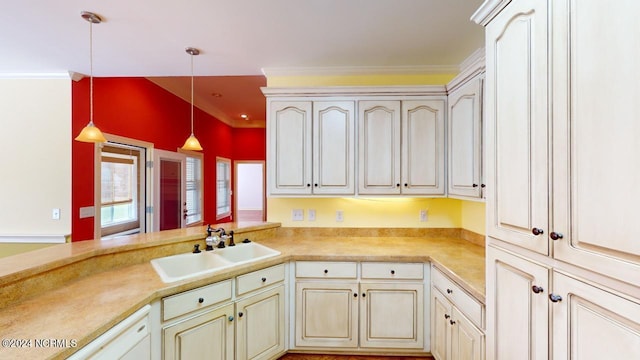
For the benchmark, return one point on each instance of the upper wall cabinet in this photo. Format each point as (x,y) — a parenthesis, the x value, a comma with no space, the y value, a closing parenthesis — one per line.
(312,142)
(465,141)
(401,147)
(311,154)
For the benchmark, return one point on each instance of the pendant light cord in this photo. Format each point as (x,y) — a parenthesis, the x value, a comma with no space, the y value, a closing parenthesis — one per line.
(91,72)
(191,94)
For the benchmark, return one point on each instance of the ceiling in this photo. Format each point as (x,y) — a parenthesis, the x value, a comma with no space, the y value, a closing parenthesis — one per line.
(239,40)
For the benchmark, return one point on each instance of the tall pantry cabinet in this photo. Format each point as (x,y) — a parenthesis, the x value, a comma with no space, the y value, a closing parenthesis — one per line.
(563,164)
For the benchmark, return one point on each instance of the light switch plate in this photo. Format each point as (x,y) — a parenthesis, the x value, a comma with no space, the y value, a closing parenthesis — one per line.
(55,214)
(423,215)
(339,216)
(312,215)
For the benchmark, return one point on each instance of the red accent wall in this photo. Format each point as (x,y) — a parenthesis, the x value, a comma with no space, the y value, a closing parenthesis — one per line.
(139,109)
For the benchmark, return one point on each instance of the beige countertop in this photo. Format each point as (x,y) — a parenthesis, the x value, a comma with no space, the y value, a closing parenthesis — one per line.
(87,303)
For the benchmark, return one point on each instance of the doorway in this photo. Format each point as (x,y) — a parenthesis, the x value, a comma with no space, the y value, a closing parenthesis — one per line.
(169,200)
(249,191)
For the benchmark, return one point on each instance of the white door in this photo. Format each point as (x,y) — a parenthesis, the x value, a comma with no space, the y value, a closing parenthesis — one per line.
(516,116)
(465,140)
(590,323)
(260,325)
(169,200)
(333,147)
(289,128)
(423,147)
(467,341)
(596,151)
(379,147)
(441,311)
(517,307)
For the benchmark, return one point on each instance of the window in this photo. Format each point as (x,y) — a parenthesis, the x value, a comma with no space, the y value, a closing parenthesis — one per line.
(120,183)
(223,187)
(194,189)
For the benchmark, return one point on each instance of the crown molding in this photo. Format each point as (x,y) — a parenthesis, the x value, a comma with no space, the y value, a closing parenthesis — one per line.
(359,70)
(488,10)
(401,90)
(469,68)
(25,76)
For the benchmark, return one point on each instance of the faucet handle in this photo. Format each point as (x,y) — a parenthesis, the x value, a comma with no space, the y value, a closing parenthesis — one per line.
(196,249)
(231,242)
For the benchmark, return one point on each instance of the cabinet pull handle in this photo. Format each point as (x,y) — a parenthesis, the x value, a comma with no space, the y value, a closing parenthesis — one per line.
(449,291)
(264,279)
(555,298)
(201,300)
(537,231)
(555,236)
(447,316)
(230,317)
(452,322)
(141,328)
(240,314)
(393,272)
(475,185)
(537,289)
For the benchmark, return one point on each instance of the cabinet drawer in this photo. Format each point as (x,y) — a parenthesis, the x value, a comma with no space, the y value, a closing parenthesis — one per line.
(326,269)
(463,301)
(384,270)
(196,299)
(259,279)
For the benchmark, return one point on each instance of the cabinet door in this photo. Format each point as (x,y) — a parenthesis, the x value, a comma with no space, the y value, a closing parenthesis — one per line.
(441,311)
(206,336)
(379,147)
(392,315)
(596,152)
(516,117)
(260,325)
(289,152)
(592,323)
(334,147)
(327,314)
(423,147)
(517,313)
(465,140)
(467,341)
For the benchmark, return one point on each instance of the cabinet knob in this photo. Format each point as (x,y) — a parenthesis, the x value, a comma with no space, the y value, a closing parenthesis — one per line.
(446,316)
(308,185)
(537,231)
(364,294)
(393,272)
(537,289)
(264,279)
(240,314)
(230,317)
(398,185)
(449,291)
(201,300)
(483,186)
(316,185)
(555,236)
(406,185)
(326,271)
(555,298)
(355,295)
(475,185)
(452,322)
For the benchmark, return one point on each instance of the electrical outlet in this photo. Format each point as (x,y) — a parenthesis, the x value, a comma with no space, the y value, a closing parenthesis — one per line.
(55,214)
(297,215)
(423,215)
(339,216)
(312,215)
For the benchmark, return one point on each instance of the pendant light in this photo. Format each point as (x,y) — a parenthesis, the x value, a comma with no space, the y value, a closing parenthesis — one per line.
(192,143)
(91,133)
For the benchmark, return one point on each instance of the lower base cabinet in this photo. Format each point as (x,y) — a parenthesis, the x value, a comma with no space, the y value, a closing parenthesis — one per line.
(531,304)
(334,308)
(260,325)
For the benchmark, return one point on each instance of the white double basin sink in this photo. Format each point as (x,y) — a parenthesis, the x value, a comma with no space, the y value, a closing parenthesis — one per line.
(184,266)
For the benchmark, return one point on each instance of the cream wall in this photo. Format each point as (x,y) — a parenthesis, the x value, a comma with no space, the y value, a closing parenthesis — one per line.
(375,212)
(35,118)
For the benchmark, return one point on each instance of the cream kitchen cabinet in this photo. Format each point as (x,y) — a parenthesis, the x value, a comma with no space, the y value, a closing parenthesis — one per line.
(218,322)
(465,140)
(401,147)
(381,309)
(457,320)
(311,147)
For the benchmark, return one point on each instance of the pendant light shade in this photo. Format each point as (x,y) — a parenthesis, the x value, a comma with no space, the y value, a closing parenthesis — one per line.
(192,143)
(91,133)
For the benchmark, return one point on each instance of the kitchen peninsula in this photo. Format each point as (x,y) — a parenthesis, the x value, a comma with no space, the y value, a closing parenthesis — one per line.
(78,291)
